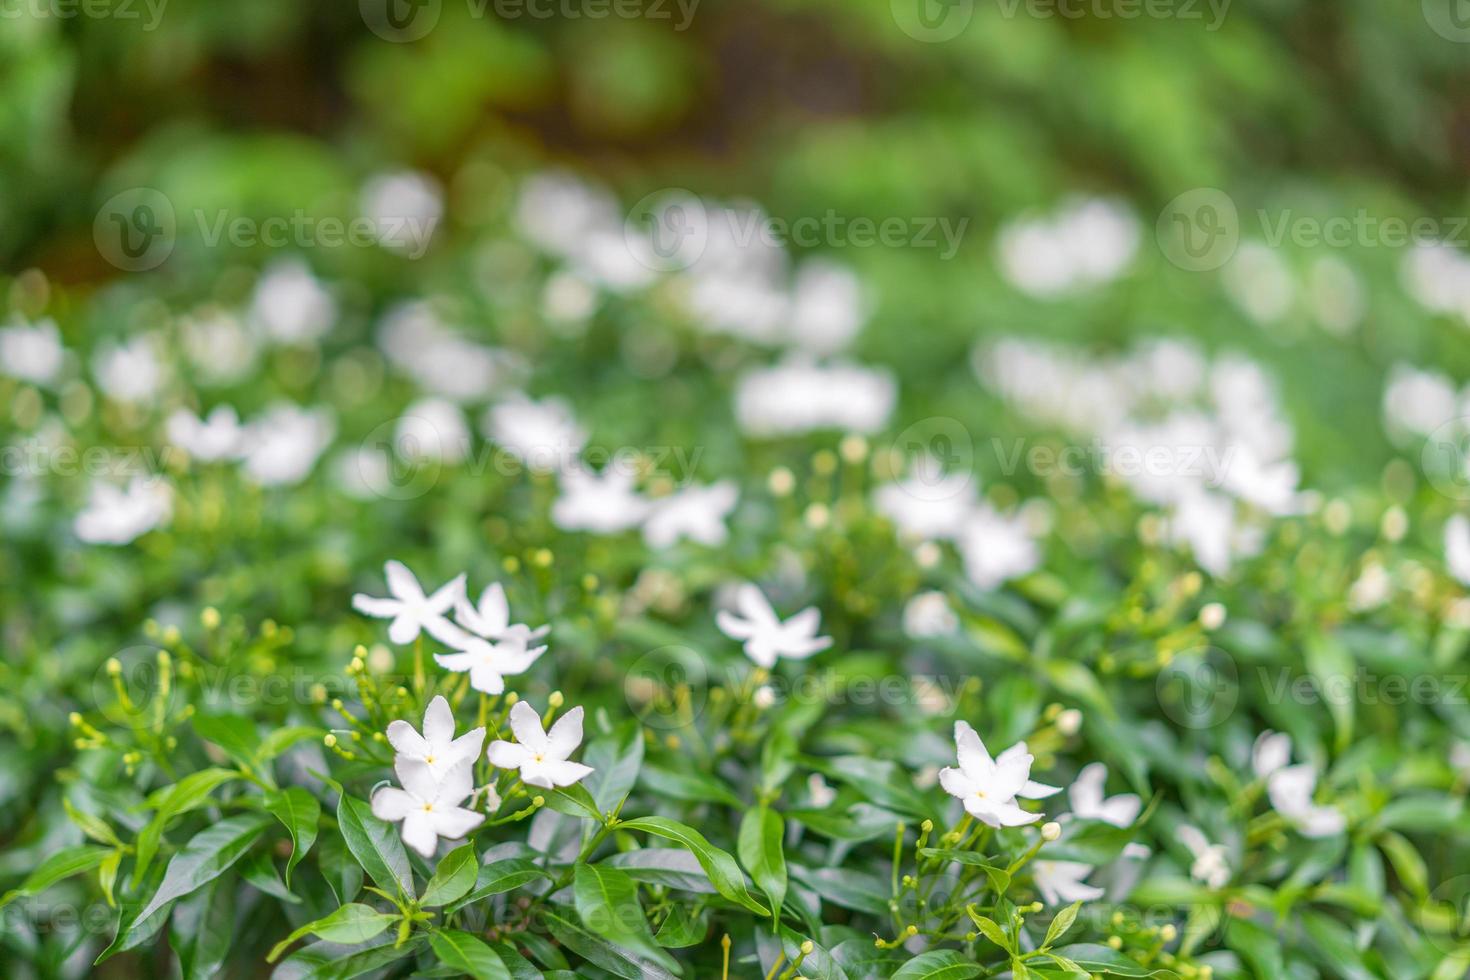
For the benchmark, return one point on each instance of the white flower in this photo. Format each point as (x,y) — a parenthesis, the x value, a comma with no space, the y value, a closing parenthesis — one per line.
(1206,523)
(490,662)
(437,357)
(603,503)
(996,547)
(1085,243)
(1415,402)
(766,637)
(1271,751)
(819,794)
(1291,790)
(1210,866)
(436,747)
(1086,796)
(1457,547)
(290,306)
(283,445)
(928,615)
(129,372)
(31,352)
(990,787)
(696,513)
(928,504)
(797,396)
(116,515)
(429,808)
(544,435)
(1060,882)
(432,430)
(220,349)
(541,756)
(490,618)
(1258,282)
(411,610)
(220,436)
(827,306)
(404,209)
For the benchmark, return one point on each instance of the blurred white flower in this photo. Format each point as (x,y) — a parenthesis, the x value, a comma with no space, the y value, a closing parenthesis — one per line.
(1086,242)
(1271,751)
(1060,882)
(1211,866)
(432,430)
(819,795)
(436,747)
(428,808)
(990,787)
(1259,283)
(996,547)
(695,513)
(1205,522)
(1088,802)
(928,615)
(568,298)
(438,358)
(130,371)
(542,756)
(1337,296)
(1371,589)
(1291,789)
(290,306)
(404,208)
(219,348)
(544,435)
(1415,402)
(1437,276)
(928,504)
(117,515)
(798,396)
(602,503)
(766,636)
(218,437)
(283,444)
(31,352)
(827,307)
(1457,547)
(411,610)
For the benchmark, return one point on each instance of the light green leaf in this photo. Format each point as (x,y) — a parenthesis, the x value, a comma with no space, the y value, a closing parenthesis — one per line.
(759,847)
(721,868)
(63,864)
(376,845)
(938,964)
(466,953)
(300,812)
(351,924)
(454,876)
(183,796)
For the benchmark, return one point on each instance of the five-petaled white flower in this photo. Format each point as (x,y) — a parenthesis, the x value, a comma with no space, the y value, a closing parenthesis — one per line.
(1061,882)
(541,756)
(696,513)
(1210,865)
(413,612)
(489,662)
(436,747)
(767,638)
(1291,789)
(429,808)
(990,787)
(1086,796)
(490,618)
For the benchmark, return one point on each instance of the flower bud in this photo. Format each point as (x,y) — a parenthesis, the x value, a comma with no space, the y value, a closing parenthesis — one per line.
(1051,830)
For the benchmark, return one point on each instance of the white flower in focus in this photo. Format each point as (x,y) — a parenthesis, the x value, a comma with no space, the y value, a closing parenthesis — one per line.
(602,503)
(488,662)
(928,615)
(1271,751)
(541,756)
(282,446)
(1457,547)
(766,636)
(543,435)
(1086,797)
(1060,882)
(490,618)
(996,548)
(1210,866)
(432,430)
(436,747)
(217,437)
(1291,790)
(428,808)
(990,787)
(129,372)
(695,513)
(404,209)
(31,352)
(117,515)
(411,610)
(290,306)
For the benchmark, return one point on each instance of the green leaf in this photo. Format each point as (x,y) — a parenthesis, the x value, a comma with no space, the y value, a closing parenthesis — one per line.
(232,733)
(468,954)
(1095,958)
(300,812)
(607,904)
(938,964)
(989,928)
(681,929)
(574,801)
(63,864)
(1061,924)
(1333,668)
(615,763)
(759,847)
(202,929)
(94,827)
(693,787)
(1000,878)
(721,868)
(454,876)
(615,959)
(260,871)
(281,739)
(499,877)
(376,845)
(349,925)
(183,796)
(208,855)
